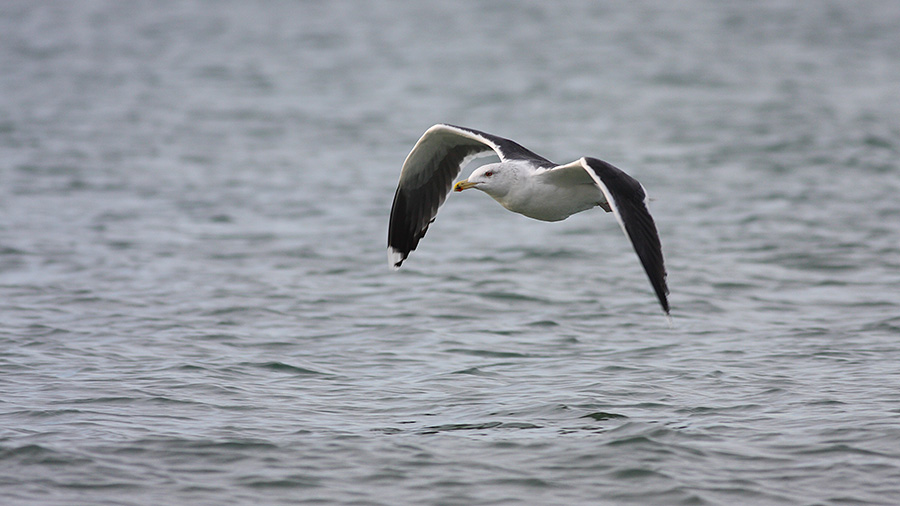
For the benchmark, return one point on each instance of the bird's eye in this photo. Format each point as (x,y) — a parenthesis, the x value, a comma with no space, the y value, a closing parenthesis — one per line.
(489,173)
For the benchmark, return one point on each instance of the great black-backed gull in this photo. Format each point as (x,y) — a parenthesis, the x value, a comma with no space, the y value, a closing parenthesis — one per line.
(524,183)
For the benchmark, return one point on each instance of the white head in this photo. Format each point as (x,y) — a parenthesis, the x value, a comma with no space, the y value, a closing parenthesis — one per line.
(495,179)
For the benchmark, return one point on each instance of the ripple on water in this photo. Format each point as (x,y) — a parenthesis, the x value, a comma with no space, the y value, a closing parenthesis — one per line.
(195,306)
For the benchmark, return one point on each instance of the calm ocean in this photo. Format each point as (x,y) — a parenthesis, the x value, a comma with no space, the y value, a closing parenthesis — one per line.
(196,306)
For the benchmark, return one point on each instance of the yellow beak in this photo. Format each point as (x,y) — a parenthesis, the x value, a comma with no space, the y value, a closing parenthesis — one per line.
(463,185)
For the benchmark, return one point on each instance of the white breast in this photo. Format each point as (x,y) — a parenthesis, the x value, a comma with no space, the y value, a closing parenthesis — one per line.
(550,202)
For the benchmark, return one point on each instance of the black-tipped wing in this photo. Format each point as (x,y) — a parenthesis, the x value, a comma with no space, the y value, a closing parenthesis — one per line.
(628,201)
(427,177)
(504,148)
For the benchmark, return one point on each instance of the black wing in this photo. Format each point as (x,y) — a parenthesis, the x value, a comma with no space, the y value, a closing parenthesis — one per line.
(628,201)
(505,148)
(427,177)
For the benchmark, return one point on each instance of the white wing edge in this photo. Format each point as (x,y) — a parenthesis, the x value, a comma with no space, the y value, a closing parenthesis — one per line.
(582,163)
(460,132)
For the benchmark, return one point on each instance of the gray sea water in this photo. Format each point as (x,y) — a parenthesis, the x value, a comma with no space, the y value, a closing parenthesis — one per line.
(196,307)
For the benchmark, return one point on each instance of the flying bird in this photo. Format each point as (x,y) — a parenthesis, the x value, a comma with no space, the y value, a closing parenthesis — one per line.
(523,182)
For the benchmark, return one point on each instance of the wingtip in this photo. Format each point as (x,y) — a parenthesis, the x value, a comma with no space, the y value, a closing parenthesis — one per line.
(664,302)
(395,258)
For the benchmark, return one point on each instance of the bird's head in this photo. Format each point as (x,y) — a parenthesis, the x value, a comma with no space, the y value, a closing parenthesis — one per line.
(495,179)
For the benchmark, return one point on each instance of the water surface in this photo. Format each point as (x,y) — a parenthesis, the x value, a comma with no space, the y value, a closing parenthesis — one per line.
(195,304)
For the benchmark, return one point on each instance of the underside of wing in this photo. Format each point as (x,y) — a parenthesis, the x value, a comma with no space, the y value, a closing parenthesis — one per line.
(628,201)
(425,180)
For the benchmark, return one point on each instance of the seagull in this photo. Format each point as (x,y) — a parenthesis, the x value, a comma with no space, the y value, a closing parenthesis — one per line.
(522,182)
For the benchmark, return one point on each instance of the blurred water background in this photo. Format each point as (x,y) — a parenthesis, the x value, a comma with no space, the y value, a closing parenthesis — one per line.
(196,307)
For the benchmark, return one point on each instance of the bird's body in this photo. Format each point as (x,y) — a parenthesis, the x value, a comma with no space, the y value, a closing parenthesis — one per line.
(522,182)
(542,194)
